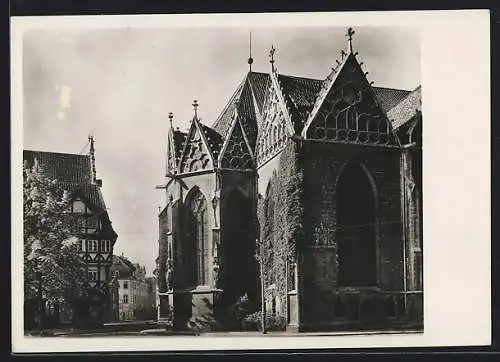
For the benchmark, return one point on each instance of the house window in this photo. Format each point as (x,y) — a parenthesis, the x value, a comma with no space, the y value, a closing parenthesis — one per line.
(93,246)
(105,246)
(81,245)
(117,273)
(91,224)
(125,285)
(79,206)
(125,299)
(198,238)
(93,274)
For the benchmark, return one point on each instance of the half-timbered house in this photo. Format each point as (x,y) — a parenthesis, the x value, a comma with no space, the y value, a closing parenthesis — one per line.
(76,173)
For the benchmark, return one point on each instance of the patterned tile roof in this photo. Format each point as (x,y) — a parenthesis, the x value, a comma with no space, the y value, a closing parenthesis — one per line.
(249,98)
(406,109)
(223,122)
(259,83)
(388,97)
(62,167)
(300,93)
(214,139)
(179,139)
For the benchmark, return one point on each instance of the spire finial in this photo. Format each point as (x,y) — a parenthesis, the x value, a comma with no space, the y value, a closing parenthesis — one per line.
(349,35)
(91,140)
(92,159)
(195,106)
(250,59)
(271,55)
(170,118)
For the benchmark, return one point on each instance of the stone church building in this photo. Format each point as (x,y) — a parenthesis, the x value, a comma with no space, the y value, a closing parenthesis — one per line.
(305,194)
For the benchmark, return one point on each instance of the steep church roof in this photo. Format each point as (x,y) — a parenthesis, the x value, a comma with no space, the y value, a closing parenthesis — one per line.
(214,139)
(248,100)
(179,139)
(406,109)
(300,93)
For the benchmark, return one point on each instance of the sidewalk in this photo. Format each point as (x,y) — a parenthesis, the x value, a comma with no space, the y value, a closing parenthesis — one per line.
(152,328)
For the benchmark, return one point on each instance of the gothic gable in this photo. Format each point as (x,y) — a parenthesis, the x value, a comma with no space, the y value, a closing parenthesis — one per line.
(236,153)
(347,110)
(275,126)
(171,154)
(196,155)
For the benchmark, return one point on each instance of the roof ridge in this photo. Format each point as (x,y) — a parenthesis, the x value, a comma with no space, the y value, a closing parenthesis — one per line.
(299,77)
(396,89)
(230,100)
(58,153)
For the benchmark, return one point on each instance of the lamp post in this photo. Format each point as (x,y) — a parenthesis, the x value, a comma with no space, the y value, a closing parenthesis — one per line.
(263,299)
(38,277)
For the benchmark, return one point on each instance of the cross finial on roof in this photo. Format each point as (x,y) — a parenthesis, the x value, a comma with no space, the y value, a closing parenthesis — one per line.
(349,35)
(91,140)
(271,55)
(170,118)
(195,106)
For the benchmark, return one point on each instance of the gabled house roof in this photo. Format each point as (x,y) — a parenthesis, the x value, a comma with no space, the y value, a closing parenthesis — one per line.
(74,173)
(63,167)
(124,267)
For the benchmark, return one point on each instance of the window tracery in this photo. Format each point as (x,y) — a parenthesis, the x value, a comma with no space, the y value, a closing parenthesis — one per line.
(350,114)
(272,136)
(196,157)
(198,226)
(237,155)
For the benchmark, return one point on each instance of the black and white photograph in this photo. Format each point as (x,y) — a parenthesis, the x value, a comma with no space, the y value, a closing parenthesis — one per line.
(258,181)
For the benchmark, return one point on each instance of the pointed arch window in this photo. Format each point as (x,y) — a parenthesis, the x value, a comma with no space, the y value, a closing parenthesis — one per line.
(356,222)
(198,238)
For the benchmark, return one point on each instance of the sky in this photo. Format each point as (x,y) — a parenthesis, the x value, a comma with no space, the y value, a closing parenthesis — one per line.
(120,85)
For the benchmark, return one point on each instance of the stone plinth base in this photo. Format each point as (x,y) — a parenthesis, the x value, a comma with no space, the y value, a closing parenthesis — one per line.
(194,308)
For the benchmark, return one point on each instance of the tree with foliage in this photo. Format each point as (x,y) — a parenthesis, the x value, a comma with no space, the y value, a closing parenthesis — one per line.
(50,241)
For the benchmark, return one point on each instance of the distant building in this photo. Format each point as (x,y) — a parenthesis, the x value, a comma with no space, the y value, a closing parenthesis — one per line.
(77,174)
(133,295)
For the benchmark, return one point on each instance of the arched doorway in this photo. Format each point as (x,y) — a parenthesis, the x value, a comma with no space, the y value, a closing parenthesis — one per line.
(239,248)
(197,248)
(356,221)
